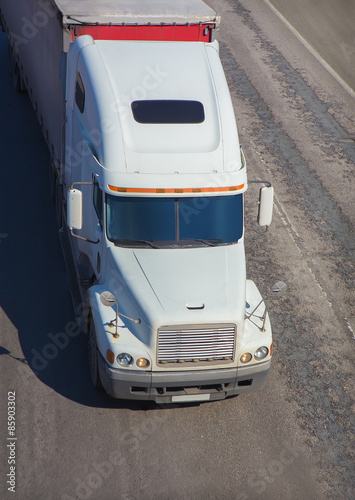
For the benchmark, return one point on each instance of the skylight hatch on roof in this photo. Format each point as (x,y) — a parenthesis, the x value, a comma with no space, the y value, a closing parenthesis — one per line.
(168,111)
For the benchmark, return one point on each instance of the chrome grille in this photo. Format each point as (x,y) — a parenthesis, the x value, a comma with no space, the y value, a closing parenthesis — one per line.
(196,343)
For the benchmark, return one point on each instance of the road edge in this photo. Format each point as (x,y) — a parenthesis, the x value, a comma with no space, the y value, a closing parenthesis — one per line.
(309,47)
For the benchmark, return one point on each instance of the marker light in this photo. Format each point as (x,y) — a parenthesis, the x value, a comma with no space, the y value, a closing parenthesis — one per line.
(175,190)
(110,356)
(261,353)
(124,359)
(246,357)
(142,363)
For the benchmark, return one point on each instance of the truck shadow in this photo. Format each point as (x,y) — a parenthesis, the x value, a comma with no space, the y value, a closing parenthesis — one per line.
(34,290)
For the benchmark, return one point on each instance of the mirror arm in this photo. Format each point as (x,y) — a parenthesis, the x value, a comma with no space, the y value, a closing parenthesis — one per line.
(278,287)
(80,184)
(255,308)
(264,320)
(267,183)
(82,238)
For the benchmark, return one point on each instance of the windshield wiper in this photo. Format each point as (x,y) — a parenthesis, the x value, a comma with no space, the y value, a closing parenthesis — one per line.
(127,241)
(209,243)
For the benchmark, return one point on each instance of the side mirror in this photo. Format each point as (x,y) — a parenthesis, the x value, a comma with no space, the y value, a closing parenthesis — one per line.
(108,299)
(75,209)
(279,287)
(266,202)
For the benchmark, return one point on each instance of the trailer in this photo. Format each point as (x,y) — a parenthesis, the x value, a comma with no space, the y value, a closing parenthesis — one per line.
(149,179)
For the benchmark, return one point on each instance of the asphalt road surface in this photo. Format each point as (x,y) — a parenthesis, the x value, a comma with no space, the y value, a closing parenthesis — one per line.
(329,27)
(294,439)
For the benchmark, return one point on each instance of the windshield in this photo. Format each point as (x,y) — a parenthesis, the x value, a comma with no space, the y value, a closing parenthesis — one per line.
(172,222)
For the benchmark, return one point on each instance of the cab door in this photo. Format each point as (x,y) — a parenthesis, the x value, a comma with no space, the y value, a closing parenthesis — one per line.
(81,166)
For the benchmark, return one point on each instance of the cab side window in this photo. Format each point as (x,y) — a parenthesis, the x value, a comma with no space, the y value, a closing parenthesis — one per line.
(80,93)
(98,202)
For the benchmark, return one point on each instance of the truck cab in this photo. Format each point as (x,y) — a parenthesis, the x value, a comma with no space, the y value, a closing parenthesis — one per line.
(155,212)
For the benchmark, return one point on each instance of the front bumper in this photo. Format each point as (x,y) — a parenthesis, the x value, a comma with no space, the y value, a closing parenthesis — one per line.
(180,387)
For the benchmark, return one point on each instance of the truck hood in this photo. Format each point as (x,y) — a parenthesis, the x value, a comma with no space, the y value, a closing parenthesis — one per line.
(180,286)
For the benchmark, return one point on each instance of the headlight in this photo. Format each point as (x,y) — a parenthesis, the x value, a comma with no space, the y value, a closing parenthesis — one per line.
(261,353)
(246,357)
(124,359)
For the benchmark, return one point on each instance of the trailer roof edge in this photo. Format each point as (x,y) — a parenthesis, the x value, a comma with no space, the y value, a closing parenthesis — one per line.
(135,12)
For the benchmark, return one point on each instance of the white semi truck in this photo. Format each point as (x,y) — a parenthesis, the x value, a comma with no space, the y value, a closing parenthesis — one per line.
(149,180)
